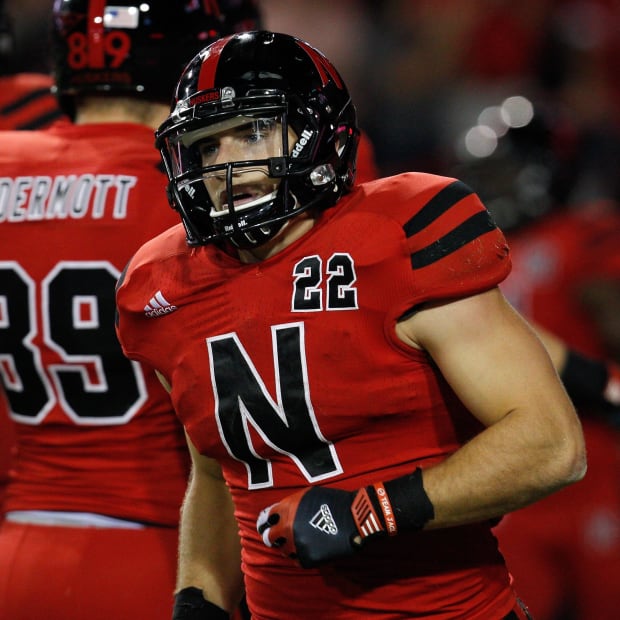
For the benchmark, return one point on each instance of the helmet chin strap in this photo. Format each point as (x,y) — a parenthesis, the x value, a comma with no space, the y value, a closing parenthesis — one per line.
(247,205)
(255,237)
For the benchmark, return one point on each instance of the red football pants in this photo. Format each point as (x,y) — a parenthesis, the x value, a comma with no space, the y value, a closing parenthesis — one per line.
(78,573)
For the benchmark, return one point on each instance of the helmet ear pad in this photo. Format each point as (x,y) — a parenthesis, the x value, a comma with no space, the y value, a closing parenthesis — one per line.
(322,162)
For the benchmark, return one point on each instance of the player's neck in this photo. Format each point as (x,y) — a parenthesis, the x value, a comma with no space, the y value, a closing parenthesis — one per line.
(120,110)
(293,230)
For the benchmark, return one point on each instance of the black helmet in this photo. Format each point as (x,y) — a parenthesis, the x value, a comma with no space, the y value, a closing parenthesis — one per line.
(519,161)
(7,41)
(126,47)
(258,76)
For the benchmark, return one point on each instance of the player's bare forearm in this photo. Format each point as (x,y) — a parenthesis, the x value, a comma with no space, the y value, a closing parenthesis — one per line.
(209,547)
(517,473)
(533,444)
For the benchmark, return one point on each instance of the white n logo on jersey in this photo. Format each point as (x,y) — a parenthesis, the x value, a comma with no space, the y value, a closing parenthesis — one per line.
(286,423)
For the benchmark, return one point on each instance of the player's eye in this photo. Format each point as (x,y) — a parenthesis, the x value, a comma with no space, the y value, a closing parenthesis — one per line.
(257,131)
(208,149)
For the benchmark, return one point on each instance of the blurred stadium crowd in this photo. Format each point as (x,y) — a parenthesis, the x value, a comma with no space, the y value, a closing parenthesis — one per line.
(421,72)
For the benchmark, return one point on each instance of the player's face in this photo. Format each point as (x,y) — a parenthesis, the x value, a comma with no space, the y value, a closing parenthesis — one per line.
(249,139)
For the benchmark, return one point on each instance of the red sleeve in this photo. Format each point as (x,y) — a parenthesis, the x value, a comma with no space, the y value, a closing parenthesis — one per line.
(138,287)
(601,257)
(456,249)
(452,247)
(27,102)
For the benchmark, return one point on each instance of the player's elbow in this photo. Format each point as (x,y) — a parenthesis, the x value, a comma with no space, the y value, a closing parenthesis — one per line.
(579,463)
(570,462)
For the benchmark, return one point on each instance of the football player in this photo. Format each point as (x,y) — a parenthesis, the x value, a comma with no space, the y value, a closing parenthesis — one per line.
(360,400)
(102,464)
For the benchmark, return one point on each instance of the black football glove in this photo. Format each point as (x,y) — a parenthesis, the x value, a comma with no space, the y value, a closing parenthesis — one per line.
(320,524)
(593,385)
(189,604)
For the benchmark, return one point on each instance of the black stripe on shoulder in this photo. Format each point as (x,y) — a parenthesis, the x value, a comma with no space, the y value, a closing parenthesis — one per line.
(437,205)
(22,102)
(41,121)
(477,225)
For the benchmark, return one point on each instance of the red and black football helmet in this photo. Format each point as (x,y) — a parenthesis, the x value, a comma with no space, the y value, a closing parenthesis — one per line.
(128,47)
(257,75)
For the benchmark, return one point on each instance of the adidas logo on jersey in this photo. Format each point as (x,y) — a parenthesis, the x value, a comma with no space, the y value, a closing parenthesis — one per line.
(324,521)
(158,306)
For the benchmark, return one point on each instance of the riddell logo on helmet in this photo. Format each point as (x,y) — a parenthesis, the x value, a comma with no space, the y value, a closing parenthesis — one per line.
(306,134)
(205,97)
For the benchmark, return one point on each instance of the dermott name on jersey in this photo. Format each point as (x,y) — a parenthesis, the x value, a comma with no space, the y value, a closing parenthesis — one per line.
(35,198)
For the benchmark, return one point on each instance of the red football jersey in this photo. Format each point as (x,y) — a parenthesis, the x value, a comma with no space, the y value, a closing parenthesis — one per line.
(27,102)
(95,432)
(552,259)
(289,372)
(366,164)
(575,560)
(7,443)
